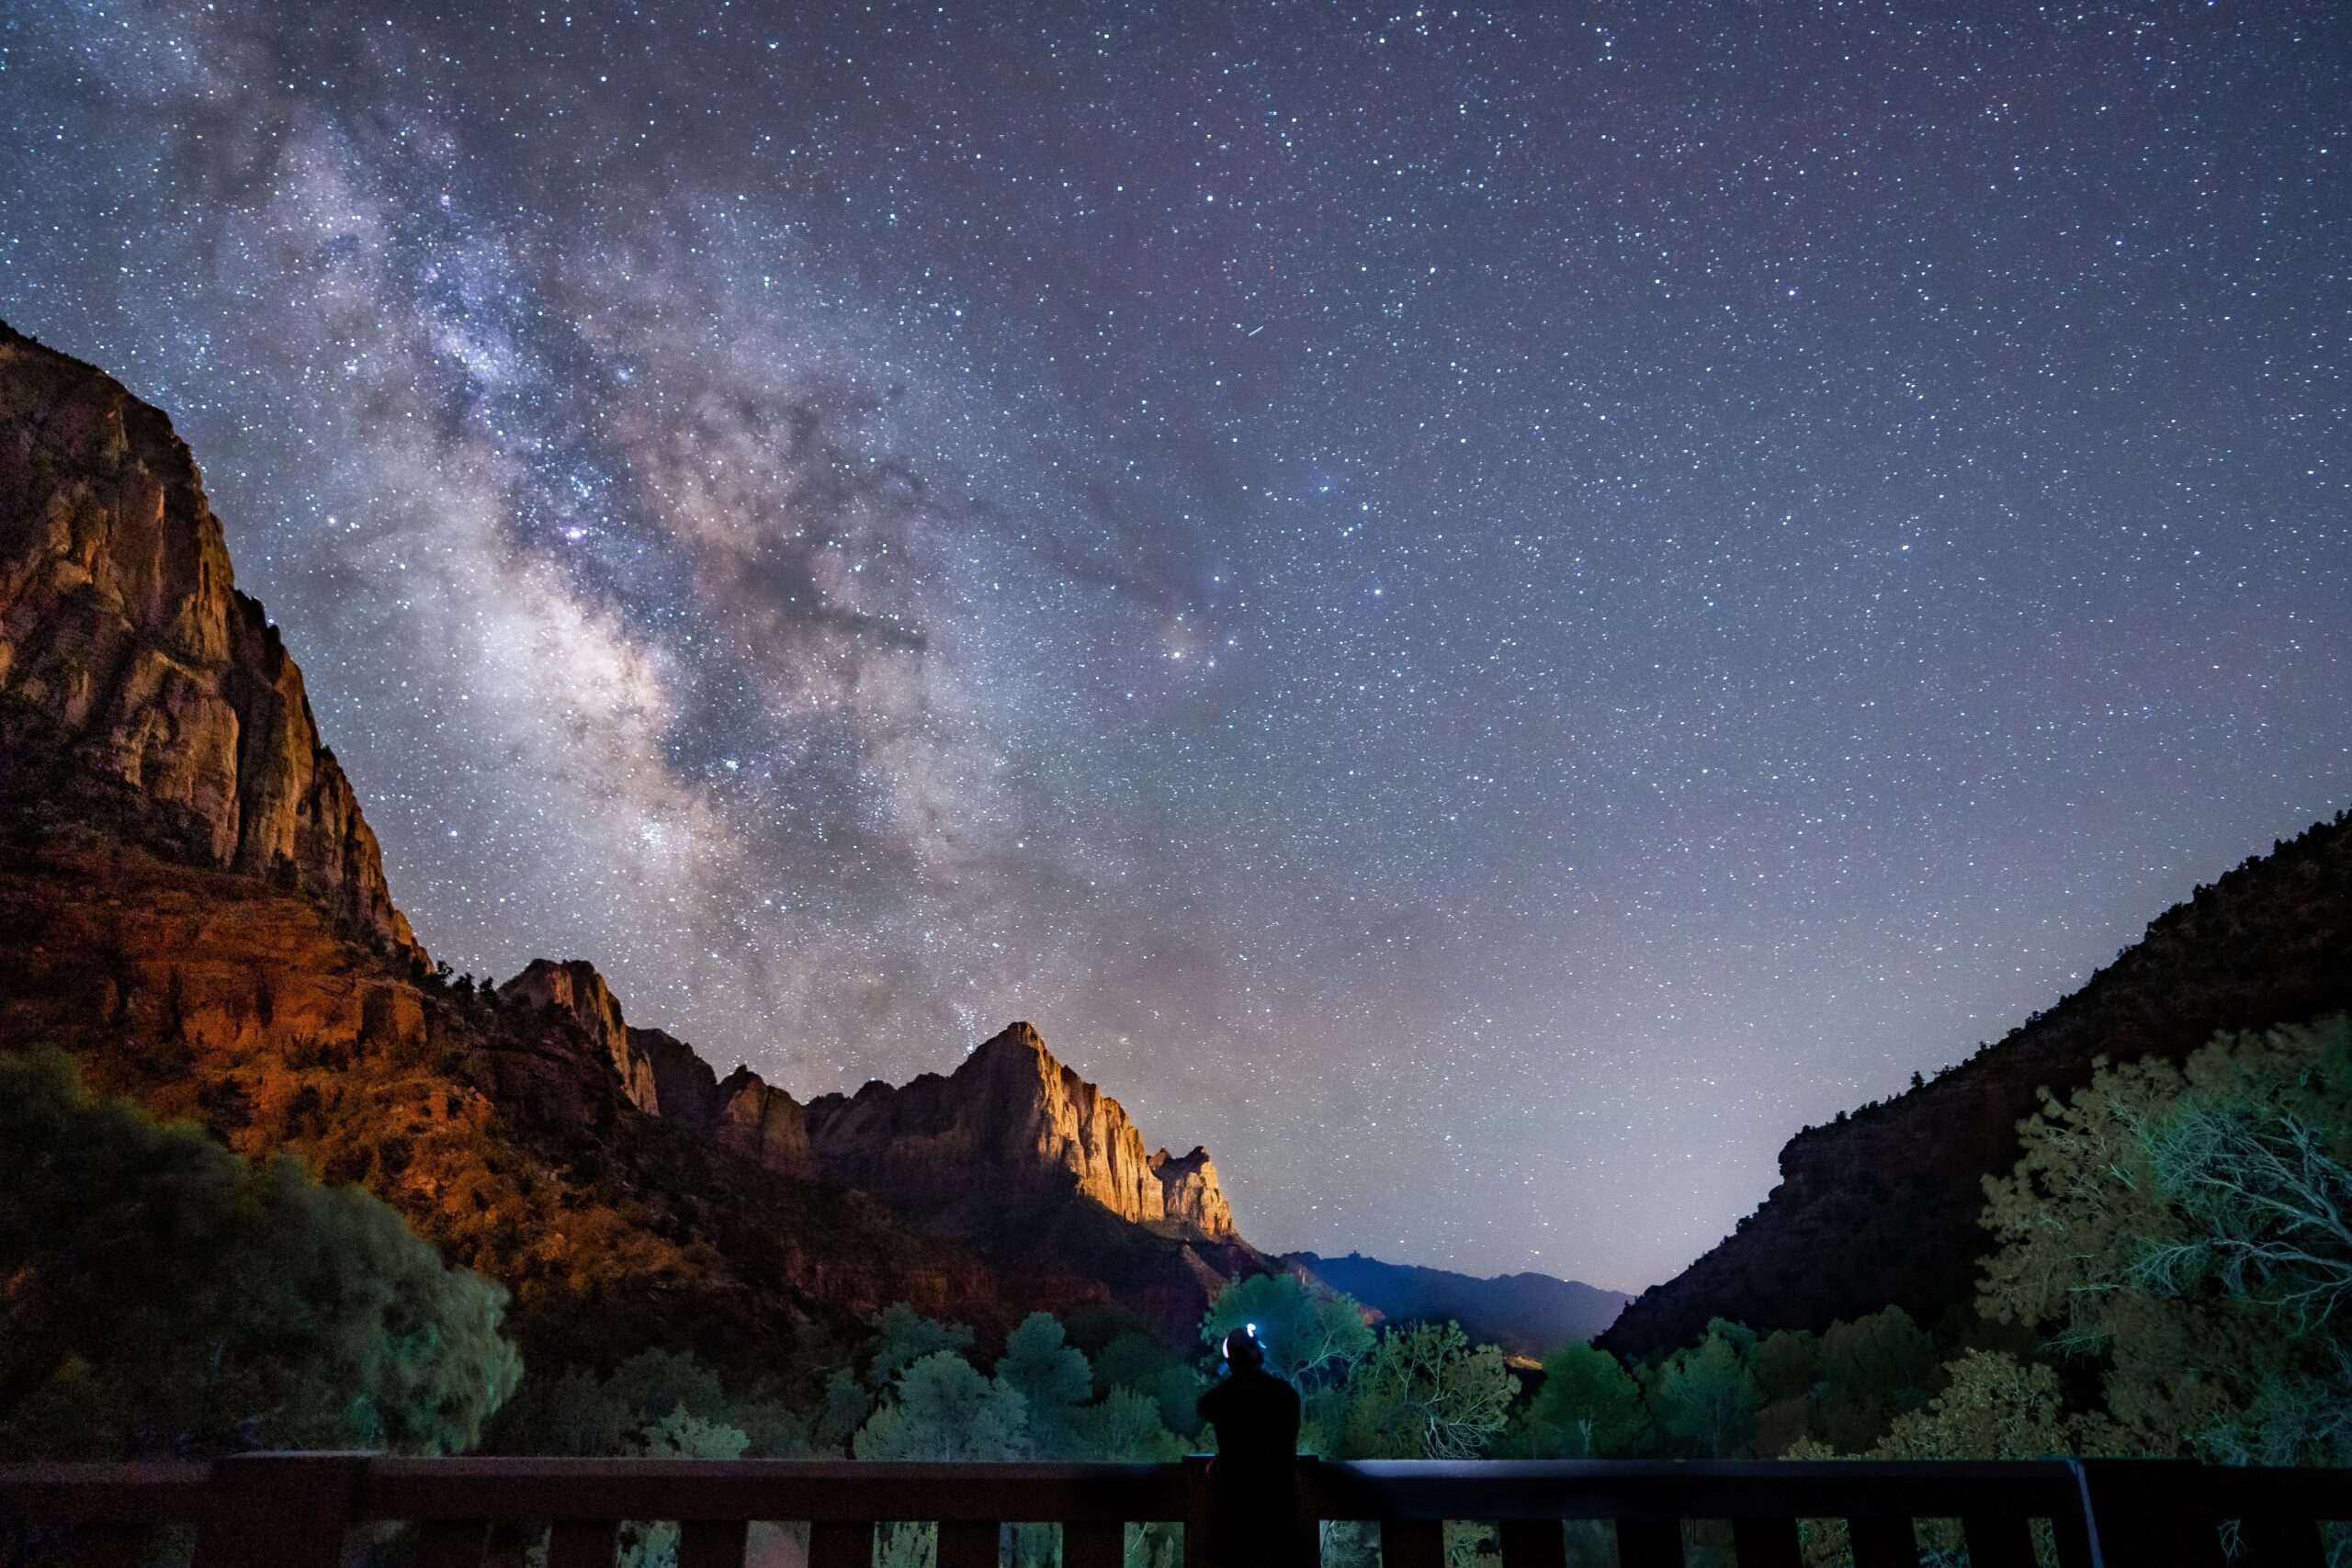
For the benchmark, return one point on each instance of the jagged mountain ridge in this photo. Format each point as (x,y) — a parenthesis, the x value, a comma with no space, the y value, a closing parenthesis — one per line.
(1527,1315)
(191,899)
(1881,1207)
(1011,1123)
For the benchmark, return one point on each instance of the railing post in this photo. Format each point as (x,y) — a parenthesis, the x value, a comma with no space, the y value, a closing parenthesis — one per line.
(279,1510)
(2143,1512)
(1197,1511)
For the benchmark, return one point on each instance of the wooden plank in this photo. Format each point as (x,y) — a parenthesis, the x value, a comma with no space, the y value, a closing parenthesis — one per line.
(1196,1537)
(1412,1543)
(452,1543)
(279,1510)
(582,1543)
(2276,1541)
(1997,1540)
(1093,1545)
(1884,1543)
(840,1543)
(712,1543)
(107,1546)
(967,1543)
(1766,1543)
(1533,1543)
(1649,1543)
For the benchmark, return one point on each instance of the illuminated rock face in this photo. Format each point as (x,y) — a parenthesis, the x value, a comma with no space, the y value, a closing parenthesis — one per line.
(1012,1121)
(764,1125)
(138,687)
(574,989)
(1190,1195)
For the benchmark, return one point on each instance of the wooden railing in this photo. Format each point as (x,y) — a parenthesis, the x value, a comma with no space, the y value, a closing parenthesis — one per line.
(295,1510)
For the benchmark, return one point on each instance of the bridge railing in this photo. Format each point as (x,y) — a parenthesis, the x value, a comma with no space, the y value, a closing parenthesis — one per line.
(297,1510)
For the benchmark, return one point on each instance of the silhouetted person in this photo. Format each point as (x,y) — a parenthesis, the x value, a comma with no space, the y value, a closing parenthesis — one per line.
(1256,1516)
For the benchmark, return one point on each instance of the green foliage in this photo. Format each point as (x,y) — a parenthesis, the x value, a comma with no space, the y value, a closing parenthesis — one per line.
(1312,1338)
(847,1404)
(943,1409)
(165,1296)
(1589,1407)
(1787,1363)
(1426,1392)
(1142,1361)
(1052,1381)
(1871,1371)
(1704,1400)
(2191,1228)
(1124,1425)
(904,1337)
(1993,1406)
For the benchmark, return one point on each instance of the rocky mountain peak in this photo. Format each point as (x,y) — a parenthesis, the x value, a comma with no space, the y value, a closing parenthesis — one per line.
(1190,1193)
(574,988)
(141,694)
(1012,1118)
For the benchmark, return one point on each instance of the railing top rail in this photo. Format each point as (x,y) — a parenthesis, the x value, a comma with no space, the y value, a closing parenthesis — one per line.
(1687,1489)
(769,1489)
(472,1488)
(137,1493)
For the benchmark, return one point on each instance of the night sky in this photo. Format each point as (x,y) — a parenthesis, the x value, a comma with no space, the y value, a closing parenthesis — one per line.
(1487,611)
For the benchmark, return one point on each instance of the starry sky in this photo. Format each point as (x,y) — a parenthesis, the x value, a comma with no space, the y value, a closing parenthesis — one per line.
(1488,611)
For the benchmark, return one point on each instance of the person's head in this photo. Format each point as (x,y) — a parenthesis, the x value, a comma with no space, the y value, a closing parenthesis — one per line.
(1242,1351)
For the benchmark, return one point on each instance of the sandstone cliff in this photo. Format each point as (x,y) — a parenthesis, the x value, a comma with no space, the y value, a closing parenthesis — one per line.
(1882,1206)
(1190,1193)
(1011,1120)
(500,1131)
(1017,1157)
(138,687)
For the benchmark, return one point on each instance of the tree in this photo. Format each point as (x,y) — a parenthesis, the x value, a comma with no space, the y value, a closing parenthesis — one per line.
(1124,1427)
(2185,1228)
(1871,1370)
(1704,1400)
(904,1337)
(1425,1393)
(1052,1380)
(1143,1361)
(944,1410)
(165,1296)
(1589,1407)
(1786,1362)
(1312,1337)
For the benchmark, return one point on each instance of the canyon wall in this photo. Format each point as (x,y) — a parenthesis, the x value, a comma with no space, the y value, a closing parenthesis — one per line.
(1882,1206)
(138,688)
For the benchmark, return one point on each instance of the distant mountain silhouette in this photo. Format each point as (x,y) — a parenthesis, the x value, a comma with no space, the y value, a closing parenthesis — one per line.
(1527,1315)
(1880,1207)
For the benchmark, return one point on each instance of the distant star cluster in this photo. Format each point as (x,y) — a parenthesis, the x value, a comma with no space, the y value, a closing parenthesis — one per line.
(1487,611)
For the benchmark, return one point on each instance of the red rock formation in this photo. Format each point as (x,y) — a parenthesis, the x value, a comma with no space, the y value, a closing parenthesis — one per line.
(1190,1195)
(1012,1119)
(575,990)
(764,1125)
(137,686)
(500,1132)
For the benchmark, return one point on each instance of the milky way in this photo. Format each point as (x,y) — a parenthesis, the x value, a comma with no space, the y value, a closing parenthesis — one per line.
(1488,612)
